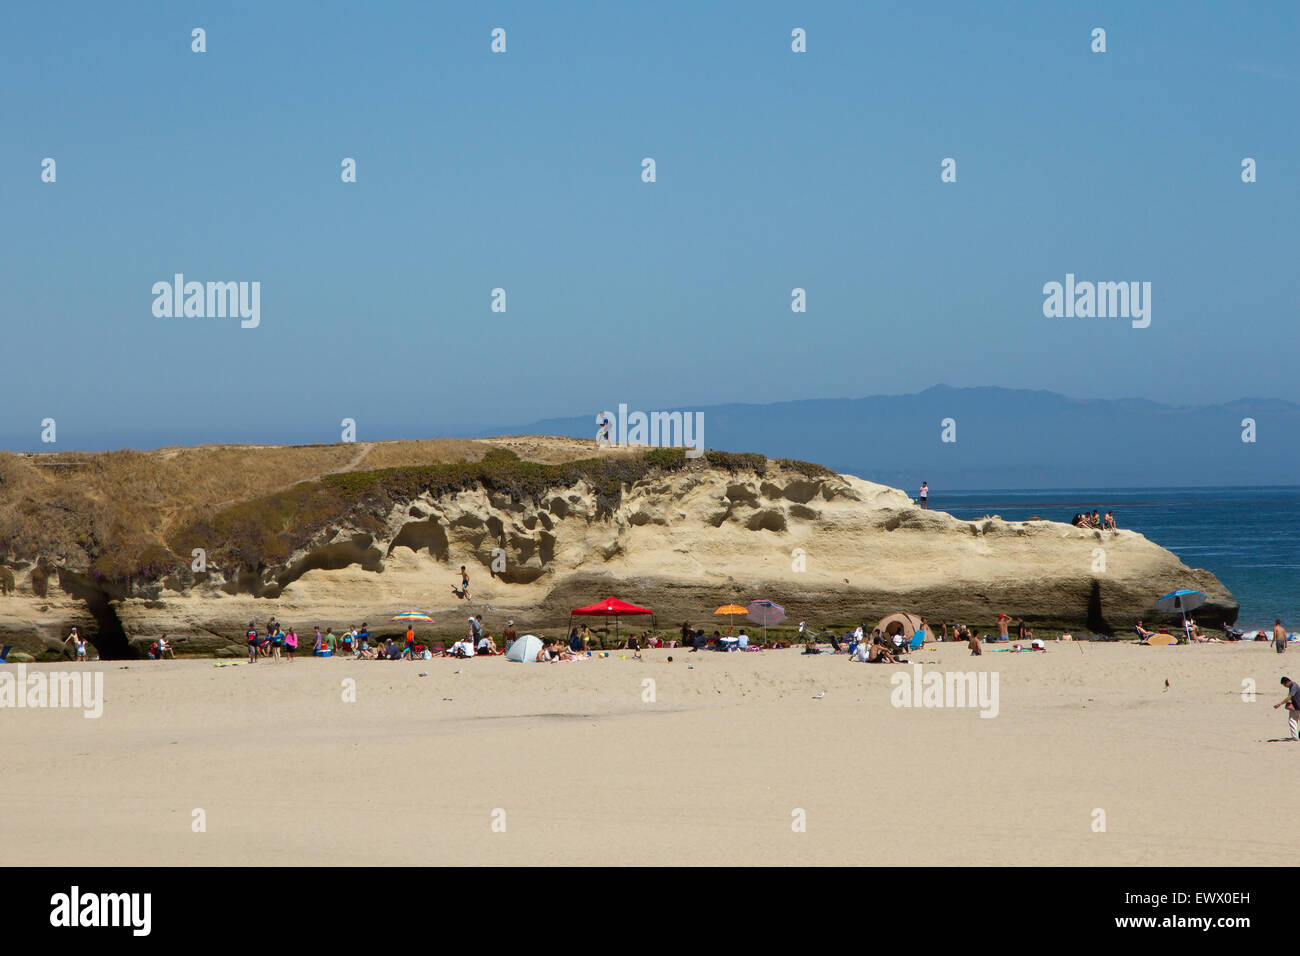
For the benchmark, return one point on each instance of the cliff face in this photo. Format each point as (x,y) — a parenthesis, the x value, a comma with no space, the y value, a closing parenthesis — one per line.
(681,539)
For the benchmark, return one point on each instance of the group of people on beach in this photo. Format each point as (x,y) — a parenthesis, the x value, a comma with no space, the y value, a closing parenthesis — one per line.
(355,643)
(1095,520)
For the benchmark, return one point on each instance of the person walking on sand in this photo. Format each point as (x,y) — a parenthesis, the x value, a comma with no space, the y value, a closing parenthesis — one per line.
(924,497)
(1292,704)
(1279,636)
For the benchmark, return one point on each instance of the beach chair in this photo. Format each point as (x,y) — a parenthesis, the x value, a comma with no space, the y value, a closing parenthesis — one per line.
(437,648)
(4,653)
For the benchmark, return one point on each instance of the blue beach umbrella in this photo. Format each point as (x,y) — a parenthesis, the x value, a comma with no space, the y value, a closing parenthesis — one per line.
(1181,602)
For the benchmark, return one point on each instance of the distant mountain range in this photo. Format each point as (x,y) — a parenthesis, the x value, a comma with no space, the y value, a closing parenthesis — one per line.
(1006,438)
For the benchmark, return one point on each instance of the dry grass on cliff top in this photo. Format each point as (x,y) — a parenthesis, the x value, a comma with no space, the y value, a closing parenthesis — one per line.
(121,512)
(69,503)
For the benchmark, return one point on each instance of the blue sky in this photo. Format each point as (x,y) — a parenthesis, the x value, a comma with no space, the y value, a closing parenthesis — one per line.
(522,170)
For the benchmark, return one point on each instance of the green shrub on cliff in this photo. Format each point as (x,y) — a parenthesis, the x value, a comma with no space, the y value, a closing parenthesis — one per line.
(255,534)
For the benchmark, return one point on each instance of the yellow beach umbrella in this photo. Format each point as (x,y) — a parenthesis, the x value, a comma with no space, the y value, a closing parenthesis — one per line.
(730,610)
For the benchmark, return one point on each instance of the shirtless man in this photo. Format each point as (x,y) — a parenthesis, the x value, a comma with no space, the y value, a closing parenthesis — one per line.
(1279,636)
(879,654)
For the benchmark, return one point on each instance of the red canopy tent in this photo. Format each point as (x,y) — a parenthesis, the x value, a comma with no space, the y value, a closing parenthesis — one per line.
(610,607)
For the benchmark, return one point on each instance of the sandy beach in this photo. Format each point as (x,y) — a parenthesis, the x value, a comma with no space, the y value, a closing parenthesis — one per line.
(418,769)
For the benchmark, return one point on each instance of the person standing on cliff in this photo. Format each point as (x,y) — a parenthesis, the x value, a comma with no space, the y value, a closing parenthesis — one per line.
(925,495)
(1279,636)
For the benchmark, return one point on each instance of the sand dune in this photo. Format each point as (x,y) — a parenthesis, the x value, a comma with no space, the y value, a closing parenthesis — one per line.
(711,771)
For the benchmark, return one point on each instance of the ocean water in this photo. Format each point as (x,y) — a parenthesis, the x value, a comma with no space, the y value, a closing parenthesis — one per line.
(1248,537)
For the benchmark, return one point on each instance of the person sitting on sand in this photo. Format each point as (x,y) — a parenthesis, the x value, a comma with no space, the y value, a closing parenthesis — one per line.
(976,649)
(1036,644)
(1200,637)
(1066,636)
(462,649)
(879,654)
(486,646)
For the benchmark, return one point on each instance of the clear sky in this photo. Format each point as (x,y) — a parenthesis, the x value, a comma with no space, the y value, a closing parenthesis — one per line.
(522,170)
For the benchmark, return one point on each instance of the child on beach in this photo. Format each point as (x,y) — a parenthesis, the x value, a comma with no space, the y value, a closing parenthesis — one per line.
(78,645)
(291,642)
(251,635)
(463,593)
